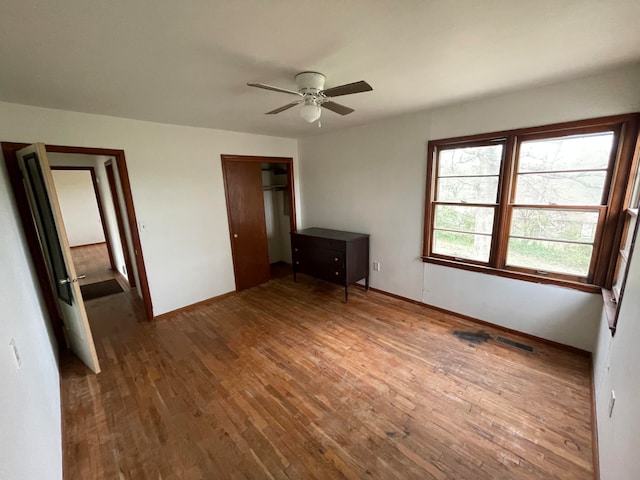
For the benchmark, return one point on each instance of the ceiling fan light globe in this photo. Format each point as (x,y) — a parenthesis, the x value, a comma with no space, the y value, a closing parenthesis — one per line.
(310,112)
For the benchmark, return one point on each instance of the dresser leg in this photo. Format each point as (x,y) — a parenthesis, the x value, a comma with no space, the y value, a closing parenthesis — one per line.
(294,276)
(346,294)
(366,283)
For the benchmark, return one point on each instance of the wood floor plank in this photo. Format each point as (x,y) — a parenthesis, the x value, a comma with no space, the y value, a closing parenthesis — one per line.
(285,381)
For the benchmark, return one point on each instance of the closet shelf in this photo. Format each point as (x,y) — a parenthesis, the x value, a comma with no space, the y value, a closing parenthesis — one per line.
(274,187)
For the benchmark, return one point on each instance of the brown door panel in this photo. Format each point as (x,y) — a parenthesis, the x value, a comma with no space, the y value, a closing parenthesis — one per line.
(245,206)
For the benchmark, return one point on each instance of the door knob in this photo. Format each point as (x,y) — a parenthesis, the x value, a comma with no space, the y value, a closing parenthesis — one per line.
(62,281)
(235,235)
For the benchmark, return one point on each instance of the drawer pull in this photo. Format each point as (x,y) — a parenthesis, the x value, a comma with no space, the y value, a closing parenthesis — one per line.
(337,273)
(336,259)
(295,249)
(297,263)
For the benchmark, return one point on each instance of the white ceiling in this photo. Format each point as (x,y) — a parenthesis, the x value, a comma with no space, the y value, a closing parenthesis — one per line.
(187,62)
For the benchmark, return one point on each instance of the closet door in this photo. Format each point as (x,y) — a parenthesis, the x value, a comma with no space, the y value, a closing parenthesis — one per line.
(247,225)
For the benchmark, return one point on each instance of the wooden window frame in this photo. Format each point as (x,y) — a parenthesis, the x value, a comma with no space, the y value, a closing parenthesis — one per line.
(616,193)
(630,225)
(496,205)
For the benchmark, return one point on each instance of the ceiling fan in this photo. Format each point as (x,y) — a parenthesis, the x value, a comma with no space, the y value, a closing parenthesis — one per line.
(313,95)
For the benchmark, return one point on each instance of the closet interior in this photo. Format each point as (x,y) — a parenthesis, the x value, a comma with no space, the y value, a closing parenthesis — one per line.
(276,211)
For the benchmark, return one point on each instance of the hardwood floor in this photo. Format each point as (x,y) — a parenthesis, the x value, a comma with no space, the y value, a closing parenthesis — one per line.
(280,270)
(285,380)
(93,261)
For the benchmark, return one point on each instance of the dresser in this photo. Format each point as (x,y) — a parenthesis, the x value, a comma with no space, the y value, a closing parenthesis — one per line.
(332,255)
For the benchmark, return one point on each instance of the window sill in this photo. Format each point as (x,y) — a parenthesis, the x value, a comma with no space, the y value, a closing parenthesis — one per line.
(610,309)
(585,287)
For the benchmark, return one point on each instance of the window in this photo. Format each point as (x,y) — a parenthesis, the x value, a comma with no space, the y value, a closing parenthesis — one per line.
(613,297)
(540,204)
(465,205)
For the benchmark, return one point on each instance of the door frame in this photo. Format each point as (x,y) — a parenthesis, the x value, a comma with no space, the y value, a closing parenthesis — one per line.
(94,182)
(9,150)
(290,188)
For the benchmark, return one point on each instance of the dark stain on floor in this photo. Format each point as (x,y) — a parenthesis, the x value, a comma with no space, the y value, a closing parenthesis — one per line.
(472,337)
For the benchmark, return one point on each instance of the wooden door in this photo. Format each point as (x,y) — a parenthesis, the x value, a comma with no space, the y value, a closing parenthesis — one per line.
(45,209)
(248,229)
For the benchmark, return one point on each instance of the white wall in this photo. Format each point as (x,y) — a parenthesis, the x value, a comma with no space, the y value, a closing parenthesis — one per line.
(371,179)
(79,206)
(548,311)
(616,365)
(177,188)
(30,417)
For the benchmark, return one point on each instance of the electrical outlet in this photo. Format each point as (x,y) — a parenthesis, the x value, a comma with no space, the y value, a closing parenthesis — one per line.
(376,266)
(612,402)
(16,355)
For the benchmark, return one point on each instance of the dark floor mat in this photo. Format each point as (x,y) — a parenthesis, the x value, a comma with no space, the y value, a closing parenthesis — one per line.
(100,289)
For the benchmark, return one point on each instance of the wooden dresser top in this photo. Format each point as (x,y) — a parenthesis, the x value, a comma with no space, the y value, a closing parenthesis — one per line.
(332,234)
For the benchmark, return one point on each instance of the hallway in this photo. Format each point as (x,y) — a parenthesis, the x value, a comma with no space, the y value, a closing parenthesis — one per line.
(93,261)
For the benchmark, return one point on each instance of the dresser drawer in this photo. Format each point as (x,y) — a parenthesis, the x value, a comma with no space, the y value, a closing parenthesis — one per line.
(311,243)
(320,262)
(325,272)
(319,256)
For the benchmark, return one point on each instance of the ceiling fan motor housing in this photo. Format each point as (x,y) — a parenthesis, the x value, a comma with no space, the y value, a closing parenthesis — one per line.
(310,82)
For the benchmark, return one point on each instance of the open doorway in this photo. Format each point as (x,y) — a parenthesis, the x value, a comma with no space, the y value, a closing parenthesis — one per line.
(261,211)
(109,257)
(87,191)
(87,225)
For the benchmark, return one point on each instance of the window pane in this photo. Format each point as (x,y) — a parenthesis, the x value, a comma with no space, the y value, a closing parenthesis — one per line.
(629,232)
(470,161)
(570,225)
(619,278)
(635,195)
(462,245)
(468,190)
(584,152)
(568,188)
(569,258)
(467,219)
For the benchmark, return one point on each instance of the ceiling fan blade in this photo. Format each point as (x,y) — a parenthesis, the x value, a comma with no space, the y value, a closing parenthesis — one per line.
(336,107)
(282,109)
(348,89)
(274,89)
